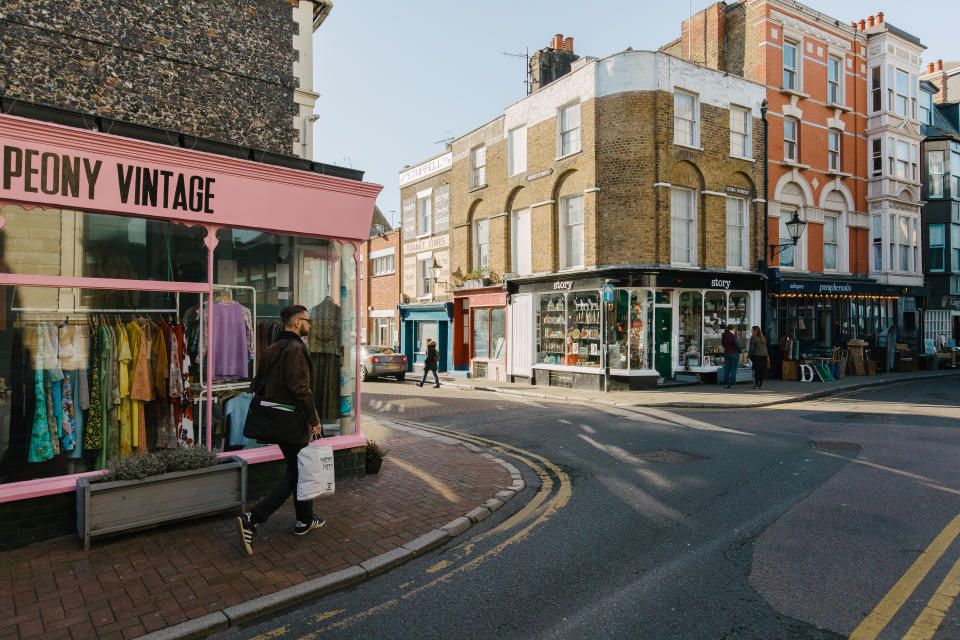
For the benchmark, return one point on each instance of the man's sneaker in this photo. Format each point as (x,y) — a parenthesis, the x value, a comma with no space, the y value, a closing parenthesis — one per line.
(305,528)
(247,529)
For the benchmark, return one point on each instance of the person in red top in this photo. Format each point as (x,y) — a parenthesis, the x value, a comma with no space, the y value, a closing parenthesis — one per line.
(731,358)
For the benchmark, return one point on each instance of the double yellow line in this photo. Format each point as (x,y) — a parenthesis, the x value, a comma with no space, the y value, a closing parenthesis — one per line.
(932,615)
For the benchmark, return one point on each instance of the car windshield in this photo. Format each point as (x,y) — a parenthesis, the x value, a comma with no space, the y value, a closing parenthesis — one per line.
(373,349)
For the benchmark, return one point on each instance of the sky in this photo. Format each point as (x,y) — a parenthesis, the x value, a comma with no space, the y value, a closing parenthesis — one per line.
(398,78)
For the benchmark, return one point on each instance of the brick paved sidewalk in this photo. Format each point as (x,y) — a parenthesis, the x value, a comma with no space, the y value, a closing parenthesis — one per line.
(127,586)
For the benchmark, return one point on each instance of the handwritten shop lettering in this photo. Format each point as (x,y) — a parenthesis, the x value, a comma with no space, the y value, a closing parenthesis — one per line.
(73,176)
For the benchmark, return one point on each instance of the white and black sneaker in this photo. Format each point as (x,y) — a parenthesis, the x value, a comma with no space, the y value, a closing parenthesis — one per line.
(247,528)
(303,529)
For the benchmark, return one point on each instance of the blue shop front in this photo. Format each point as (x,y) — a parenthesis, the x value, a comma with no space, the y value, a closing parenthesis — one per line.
(419,322)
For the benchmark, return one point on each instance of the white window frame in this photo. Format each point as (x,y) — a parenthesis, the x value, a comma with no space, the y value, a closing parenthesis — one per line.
(481,244)
(683,226)
(517,148)
(835,87)
(876,154)
(478,166)
(934,249)
(876,232)
(902,239)
(834,244)
(794,71)
(791,144)
(784,235)
(383,265)
(738,232)
(686,131)
(897,96)
(741,143)
(571,232)
(425,277)
(568,133)
(379,324)
(424,214)
(834,143)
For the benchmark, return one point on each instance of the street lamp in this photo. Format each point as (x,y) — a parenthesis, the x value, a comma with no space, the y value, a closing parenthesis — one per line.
(436,273)
(795,228)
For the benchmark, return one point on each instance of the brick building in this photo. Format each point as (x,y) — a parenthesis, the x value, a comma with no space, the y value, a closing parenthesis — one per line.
(380,289)
(823,132)
(426,302)
(619,202)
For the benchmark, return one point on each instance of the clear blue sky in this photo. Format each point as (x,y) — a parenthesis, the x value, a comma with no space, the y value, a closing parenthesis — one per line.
(396,78)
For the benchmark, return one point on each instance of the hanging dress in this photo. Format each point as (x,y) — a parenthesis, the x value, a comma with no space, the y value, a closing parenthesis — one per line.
(41,447)
(93,433)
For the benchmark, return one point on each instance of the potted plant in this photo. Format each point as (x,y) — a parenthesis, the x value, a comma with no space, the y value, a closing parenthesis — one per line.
(141,491)
(374,456)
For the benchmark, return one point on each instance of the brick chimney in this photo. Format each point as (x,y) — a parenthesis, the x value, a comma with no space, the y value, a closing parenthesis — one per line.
(880,17)
(938,76)
(703,37)
(551,62)
(568,45)
(557,43)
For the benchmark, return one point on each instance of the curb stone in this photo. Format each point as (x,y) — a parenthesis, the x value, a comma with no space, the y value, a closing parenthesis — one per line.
(290,596)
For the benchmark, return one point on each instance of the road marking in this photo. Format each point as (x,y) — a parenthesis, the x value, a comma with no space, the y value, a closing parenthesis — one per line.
(273,633)
(881,615)
(448,494)
(328,614)
(932,615)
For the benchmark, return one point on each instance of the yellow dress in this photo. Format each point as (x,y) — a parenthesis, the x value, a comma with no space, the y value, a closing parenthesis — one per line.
(124,357)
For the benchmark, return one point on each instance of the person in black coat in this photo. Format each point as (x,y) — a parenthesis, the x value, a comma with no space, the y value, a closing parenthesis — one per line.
(430,363)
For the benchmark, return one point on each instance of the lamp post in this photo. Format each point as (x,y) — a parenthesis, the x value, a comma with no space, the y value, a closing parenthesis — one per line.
(795,228)
(436,273)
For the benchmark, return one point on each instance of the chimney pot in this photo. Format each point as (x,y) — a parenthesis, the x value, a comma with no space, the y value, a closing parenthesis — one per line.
(862,25)
(880,17)
(929,67)
(869,21)
(854,24)
(568,45)
(557,42)
(939,66)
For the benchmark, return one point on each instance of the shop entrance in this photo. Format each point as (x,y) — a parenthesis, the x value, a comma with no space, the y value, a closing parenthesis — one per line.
(663,328)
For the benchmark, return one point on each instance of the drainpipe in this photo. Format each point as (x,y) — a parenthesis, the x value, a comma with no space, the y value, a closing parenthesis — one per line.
(764,315)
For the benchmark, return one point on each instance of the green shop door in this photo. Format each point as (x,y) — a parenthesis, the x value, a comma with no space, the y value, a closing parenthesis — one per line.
(663,328)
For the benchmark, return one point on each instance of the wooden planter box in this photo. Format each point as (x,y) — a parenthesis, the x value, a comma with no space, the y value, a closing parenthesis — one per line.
(105,508)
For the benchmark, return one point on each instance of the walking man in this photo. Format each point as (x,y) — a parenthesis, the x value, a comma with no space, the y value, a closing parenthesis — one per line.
(731,357)
(286,364)
(430,363)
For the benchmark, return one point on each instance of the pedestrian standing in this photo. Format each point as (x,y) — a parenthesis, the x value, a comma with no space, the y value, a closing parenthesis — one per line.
(286,363)
(430,363)
(731,357)
(757,352)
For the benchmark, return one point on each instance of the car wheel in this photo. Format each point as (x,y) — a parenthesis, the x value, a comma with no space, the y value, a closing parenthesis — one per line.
(363,374)
(401,377)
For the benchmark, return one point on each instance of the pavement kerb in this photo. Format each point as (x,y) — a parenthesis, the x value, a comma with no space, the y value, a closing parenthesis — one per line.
(291,596)
(801,397)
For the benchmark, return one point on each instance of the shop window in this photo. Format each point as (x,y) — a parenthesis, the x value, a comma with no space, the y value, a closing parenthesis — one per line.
(481,244)
(683,233)
(790,127)
(382,332)
(690,337)
(834,69)
(740,145)
(569,329)
(617,329)
(686,119)
(490,333)
(714,322)
(481,333)
(833,149)
(936,246)
(571,241)
(641,330)
(831,244)
(935,174)
(569,130)
(790,65)
(738,311)
(738,247)
(551,329)
(478,166)
(517,142)
(426,331)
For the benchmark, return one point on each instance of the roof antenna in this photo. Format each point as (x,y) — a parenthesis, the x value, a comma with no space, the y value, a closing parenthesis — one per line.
(528,83)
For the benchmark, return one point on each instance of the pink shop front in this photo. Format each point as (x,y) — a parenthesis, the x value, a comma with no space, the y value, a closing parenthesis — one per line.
(140,283)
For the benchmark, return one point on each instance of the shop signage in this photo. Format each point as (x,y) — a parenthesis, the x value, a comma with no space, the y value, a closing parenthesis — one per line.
(75,176)
(426,169)
(427,244)
(608,293)
(538,175)
(841,288)
(720,284)
(835,288)
(563,285)
(739,191)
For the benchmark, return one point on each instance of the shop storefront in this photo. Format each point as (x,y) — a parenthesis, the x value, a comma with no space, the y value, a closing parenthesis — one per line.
(141,283)
(422,322)
(480,332)
(631,329)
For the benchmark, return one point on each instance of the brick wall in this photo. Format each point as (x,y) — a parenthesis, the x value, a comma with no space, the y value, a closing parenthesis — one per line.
(216,70)
(380,292)
(437,241)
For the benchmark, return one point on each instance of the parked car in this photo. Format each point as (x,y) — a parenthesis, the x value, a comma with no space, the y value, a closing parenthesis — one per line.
(378,361)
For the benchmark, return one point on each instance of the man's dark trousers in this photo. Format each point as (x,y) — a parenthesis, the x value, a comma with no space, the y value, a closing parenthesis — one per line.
(284,488)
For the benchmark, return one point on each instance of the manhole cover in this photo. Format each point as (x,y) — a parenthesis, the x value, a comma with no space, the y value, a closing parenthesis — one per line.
(831,445)
(669,456)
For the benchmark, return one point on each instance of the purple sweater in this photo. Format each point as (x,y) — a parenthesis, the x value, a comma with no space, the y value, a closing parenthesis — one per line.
(230,354)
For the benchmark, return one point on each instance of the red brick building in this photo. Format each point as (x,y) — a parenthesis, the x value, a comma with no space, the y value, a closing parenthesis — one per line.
(380,287)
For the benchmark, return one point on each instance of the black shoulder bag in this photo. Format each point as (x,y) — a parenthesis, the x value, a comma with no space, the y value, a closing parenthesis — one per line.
(275,422)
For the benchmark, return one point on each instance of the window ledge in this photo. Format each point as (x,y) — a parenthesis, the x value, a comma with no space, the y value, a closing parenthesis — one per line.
(477,188)
(569,155)
(687,146)
(794,163)
(794,92)
(839,174)
(743,158)
(423,235)
(841,107)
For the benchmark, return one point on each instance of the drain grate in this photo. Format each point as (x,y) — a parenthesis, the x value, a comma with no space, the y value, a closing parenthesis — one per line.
(832,445)
(669,456)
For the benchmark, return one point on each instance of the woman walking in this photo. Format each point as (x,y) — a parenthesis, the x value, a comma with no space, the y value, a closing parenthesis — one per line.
(430,363)
(758,356)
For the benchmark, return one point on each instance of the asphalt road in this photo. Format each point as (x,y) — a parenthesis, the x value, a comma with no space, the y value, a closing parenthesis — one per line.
(793,522)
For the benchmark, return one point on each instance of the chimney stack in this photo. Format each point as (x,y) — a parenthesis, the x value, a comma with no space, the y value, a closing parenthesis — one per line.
(929,67)
(557,43)
(862,24)
(568,45)
(939,66)
(869,21)
(880,17)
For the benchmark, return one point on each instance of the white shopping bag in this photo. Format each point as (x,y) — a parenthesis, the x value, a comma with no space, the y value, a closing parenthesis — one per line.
(315,472)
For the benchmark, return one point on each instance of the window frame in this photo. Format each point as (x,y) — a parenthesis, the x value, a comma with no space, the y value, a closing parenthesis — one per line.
(563,130)
(794,71)
(425,277)
(954,248)
(876,89)
(835,243)
(383,265)
(833,154)
(516,161)
(424,220)
(932,180)
(567,230)
(691,232)
(478,166)
(791,143)
(877,156)
(743,230)
(481,244)
(744,138)
(934,250)
(835,87)
(693,124)
(784,237)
